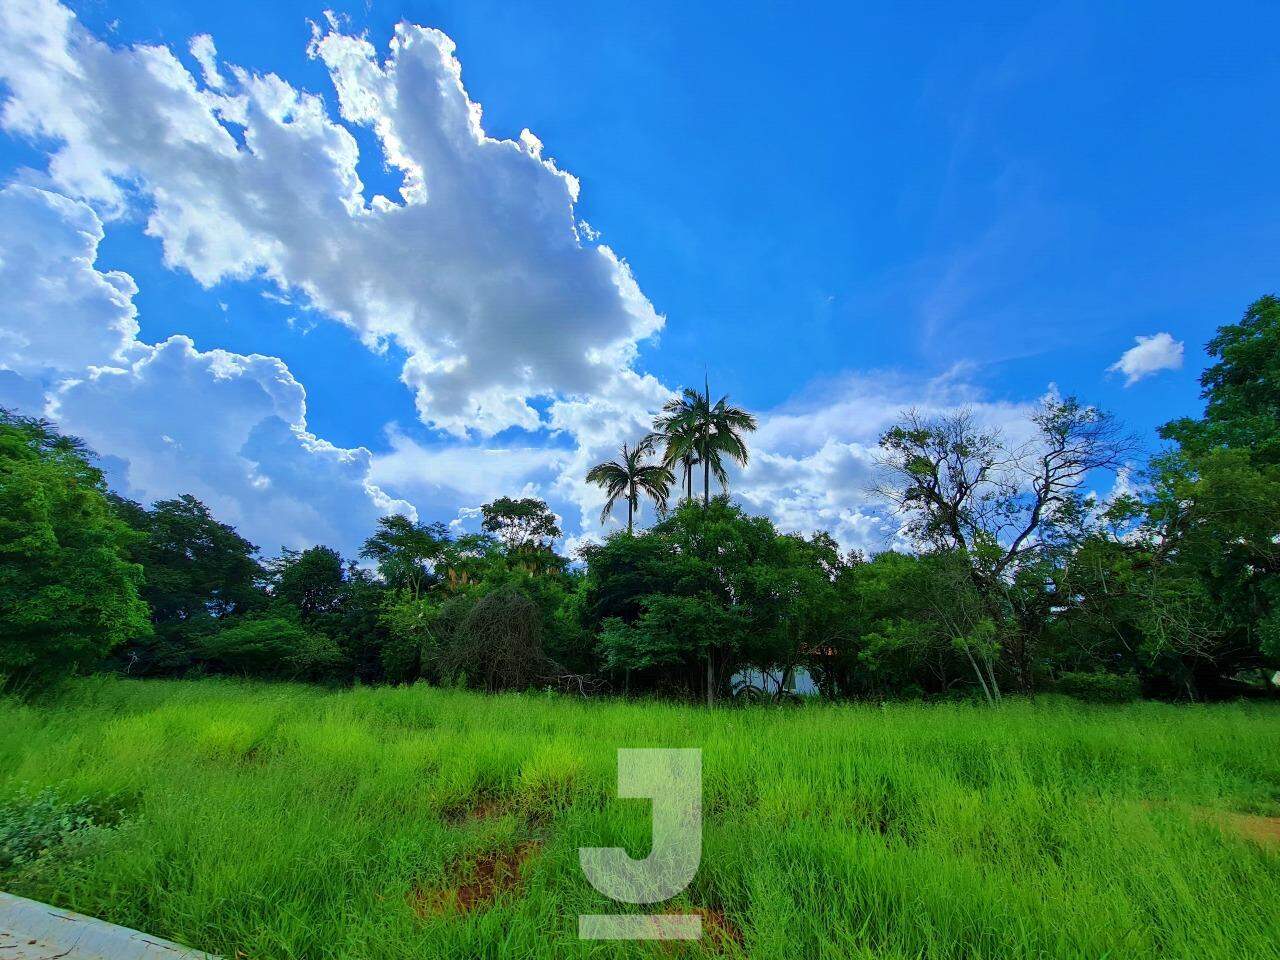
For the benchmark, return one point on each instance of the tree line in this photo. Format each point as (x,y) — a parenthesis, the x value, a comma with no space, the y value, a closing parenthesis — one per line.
(1018,579)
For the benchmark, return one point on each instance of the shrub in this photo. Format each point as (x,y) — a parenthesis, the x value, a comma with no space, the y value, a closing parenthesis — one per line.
(1100,687)
(31,827)
(272,647)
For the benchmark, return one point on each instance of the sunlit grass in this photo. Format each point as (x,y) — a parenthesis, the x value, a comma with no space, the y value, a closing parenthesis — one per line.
(285,821)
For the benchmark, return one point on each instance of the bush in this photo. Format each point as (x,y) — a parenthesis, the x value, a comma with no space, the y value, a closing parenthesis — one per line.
(1100,687)
(31,827)
(272,647)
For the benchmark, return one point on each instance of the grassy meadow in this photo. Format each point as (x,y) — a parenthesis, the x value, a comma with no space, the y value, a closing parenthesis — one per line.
(278,821)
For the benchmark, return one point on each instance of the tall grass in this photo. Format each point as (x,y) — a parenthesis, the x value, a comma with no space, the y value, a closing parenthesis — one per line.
(282,821)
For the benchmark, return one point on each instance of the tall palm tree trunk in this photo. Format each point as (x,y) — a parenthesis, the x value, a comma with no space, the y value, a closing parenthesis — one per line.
(630,508)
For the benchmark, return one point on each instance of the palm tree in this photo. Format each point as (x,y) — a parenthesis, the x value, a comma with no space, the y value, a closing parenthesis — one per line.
(697,431)
(680,446)
(631,476)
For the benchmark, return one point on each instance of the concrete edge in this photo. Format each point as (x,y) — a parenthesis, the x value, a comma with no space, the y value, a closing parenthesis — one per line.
(37,931)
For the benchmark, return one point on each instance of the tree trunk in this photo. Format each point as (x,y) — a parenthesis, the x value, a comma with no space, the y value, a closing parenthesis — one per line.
(982,680)
(628,517)
(711,682)
(787,672)
(706,481)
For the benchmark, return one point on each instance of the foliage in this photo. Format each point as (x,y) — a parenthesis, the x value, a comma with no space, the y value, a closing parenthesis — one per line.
(1241,389)
(313,581)
(526,524)
(33,826)
(406,552)
(696,431)
(68,591)
(913,625)
(630,476)
(271,646)
(1018,577)
(1004,507)
(198,571)
(706,591)
(1101,687)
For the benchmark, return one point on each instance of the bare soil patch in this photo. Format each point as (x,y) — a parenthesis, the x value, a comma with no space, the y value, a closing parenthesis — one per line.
(719,929)
(1264,831)
(476,885)
(480,807)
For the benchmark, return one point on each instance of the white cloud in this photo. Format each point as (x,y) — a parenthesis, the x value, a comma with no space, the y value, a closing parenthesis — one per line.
(478,272)
(814,458)
(57,314)
(444,478)
(1150,355)
(169,418)
(206,54)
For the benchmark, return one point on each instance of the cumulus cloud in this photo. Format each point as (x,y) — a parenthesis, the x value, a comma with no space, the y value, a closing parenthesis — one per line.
(1149,355)
(58,315)
(815,457)
(206,54)
(508,308)
(445,478)
(478,271)
(171,419)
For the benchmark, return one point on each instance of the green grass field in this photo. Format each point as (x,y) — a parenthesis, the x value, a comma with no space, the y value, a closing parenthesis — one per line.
(269,821)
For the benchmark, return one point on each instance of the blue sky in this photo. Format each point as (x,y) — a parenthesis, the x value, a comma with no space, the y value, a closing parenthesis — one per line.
(836,210)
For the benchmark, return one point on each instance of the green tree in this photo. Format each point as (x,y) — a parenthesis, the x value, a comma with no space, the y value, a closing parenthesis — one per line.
(630,476)
(1214,514)
(68,591)
(312,580)
(406,552)
(1241,389)
(337,598)
(912,625)
(704,592)
(199,572)
(525,524)
(964,489)
(527,529)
